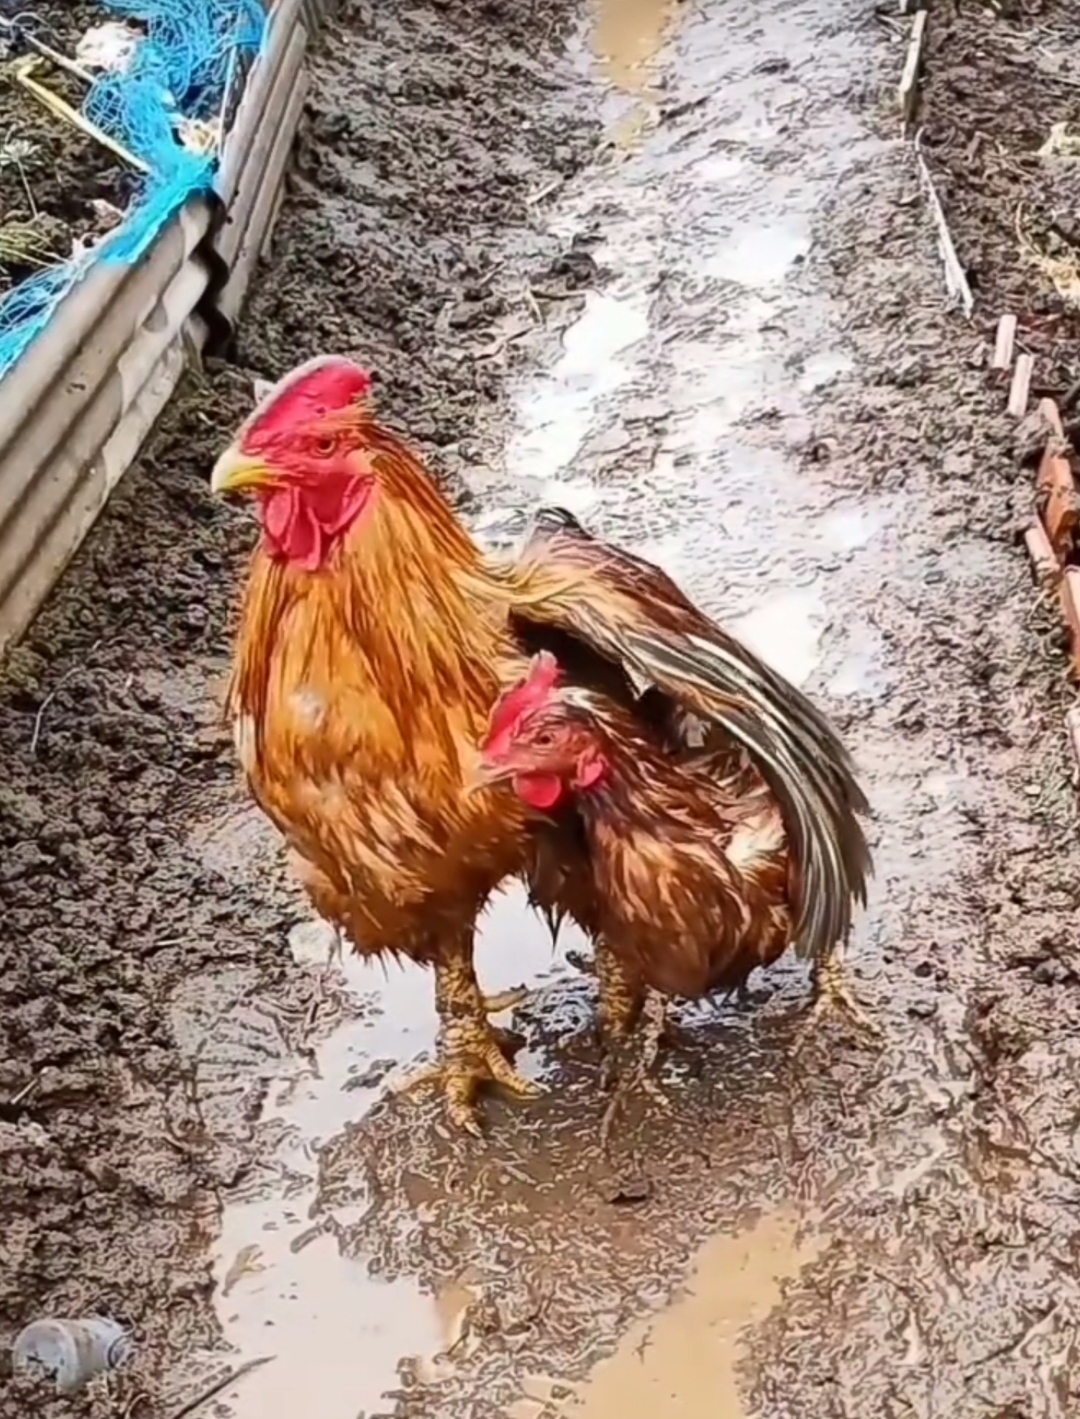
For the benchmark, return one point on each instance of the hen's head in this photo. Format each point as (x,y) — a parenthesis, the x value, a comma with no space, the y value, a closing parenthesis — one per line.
(304,453)
(544,740)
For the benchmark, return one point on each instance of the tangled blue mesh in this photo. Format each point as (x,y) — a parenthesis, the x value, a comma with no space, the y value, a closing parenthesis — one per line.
(191,53)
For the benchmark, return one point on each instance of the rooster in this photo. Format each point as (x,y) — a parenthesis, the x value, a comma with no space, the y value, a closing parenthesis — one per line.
(687,879)
(375,639)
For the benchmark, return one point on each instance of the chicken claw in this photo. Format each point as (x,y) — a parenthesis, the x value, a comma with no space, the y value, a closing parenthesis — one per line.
(471,1055)
(831,989)
(628,1063)
(505,1000)
(471,1049)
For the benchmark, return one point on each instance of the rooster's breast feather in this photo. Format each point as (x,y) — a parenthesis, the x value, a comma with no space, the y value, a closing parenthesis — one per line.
(622,610)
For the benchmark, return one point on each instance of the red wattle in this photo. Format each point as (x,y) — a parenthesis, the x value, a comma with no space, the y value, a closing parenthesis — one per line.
(540,791)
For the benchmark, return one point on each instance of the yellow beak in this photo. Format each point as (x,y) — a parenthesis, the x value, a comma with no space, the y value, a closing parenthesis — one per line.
(235,471)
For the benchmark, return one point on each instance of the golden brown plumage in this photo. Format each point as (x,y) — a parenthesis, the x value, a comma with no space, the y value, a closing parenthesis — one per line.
(685,852)
(375,639)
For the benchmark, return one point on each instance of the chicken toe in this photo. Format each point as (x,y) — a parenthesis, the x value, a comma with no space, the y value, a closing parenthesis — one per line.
(505,1000)
(471,1051)
(831,990)
(629,1063)
(470,1055)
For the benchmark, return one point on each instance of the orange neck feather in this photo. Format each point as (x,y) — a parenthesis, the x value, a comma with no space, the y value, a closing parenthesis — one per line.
(405,586)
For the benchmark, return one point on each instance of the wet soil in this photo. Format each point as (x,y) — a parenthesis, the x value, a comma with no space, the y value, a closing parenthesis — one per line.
(142,907)
(716,328)
(1015,210)
(51,174)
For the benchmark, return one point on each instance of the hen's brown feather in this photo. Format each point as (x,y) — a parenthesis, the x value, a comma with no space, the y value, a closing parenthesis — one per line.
(635,634)
(686,861)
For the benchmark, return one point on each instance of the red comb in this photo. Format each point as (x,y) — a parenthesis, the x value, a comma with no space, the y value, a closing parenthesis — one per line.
(320,386)
(528,695)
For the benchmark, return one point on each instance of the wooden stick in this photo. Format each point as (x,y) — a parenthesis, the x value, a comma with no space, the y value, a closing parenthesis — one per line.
(909,78)
(1052,415)
(219,1385)
(46,51)
(1047,569)
(1003,345)
(1070,605)
(1021,385)
(956,283)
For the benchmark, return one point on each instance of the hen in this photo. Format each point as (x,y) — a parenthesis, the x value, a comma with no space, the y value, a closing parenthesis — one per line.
(687,879)
(375,639)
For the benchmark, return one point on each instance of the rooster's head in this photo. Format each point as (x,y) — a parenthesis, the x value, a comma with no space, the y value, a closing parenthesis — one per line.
(543,739)
(306,454)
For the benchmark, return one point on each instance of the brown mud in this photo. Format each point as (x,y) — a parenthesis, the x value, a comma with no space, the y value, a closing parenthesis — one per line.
(715,326)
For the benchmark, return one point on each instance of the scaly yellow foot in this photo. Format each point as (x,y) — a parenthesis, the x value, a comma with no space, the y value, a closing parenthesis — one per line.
(470,1048)
(831,991)
(470,1055)
(629,1062)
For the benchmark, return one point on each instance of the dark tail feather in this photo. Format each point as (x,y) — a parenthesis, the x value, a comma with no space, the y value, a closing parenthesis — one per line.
(802,758)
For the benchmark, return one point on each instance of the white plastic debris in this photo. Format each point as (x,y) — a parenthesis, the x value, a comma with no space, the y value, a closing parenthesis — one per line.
(110,46)
(1061,143)
(107,214)
(199,135)
(70,1352)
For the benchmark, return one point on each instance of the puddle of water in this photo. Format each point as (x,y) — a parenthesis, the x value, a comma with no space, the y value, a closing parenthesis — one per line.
(684,1362)
(287,1291)
(557,419)
(759,255)
(786,631)
(628,34)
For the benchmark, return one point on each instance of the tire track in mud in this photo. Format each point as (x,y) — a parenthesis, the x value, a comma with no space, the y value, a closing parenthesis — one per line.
(143,905)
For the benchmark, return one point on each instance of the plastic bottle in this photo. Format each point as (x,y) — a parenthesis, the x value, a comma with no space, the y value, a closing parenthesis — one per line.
(70,1352)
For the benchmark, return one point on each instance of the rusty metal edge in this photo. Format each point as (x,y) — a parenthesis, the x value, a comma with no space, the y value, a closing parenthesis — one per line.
(93,384)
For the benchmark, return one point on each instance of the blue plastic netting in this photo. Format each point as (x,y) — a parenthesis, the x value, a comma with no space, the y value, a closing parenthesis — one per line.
(180,70)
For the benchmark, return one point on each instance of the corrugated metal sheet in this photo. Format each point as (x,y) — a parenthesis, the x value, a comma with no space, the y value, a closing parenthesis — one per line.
(90,388)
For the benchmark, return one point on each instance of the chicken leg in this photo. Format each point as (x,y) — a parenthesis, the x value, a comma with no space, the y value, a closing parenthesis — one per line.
(631,1026)
(470,1049)
(831,989)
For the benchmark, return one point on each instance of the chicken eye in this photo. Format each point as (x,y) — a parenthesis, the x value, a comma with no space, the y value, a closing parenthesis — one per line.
(324,446)
(543,740)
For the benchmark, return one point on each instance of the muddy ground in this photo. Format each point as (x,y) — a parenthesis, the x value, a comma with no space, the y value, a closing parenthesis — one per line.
(711,317)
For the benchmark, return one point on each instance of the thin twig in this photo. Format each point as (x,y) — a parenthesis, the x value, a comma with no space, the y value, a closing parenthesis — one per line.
(24,1093)
(534,306)
(546,191)
(956,282)
(47,701)
(46,51)
(219,1385)
(63,110)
